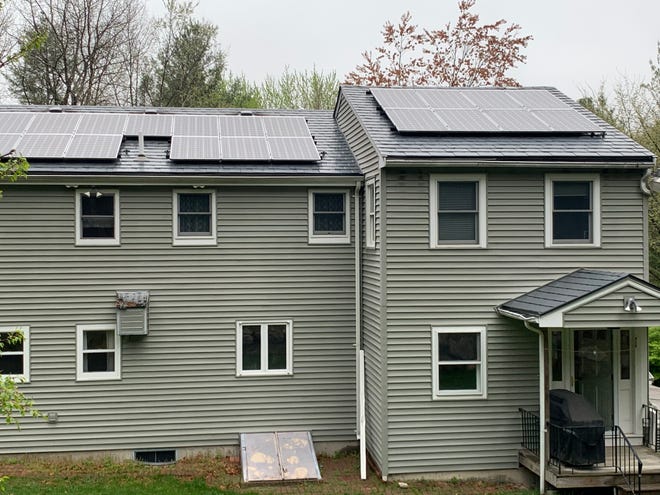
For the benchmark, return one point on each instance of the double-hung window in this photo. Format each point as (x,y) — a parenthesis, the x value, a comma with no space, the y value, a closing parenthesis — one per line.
(194,217)
(98,352)
(15,352)
(328,217)
(459,362)
(458,211)
(370,213)
(264,348)
(572,210)
(97,217)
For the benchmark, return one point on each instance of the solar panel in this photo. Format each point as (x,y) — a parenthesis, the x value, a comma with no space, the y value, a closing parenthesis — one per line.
(94,146)
(43,145)
(54,123)
(466,120)
(416,120)
(195,125)
(516,121)
(398,98)
(14,122)
(102,123)
(293,148)
(245,148)
(195,148)
(241,126)
(286,127)
(566,120)
(445,99)
(8,142)
(538,98)
(451,110)
(150,125)
(491,98)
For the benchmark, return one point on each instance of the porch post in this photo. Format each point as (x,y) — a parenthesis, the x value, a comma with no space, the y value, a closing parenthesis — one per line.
(542,406)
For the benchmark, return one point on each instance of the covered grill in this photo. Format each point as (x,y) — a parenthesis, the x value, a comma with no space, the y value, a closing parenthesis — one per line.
(577,431)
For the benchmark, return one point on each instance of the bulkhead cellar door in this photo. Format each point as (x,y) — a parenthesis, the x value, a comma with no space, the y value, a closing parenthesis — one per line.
(277,456)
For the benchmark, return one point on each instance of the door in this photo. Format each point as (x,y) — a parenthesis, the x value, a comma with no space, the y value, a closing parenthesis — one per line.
(593,370)
(623,375)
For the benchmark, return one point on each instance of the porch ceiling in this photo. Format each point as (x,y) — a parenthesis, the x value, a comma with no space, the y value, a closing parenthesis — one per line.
(587,298)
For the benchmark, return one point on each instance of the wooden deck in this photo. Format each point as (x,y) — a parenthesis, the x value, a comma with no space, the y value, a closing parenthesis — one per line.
(601,475)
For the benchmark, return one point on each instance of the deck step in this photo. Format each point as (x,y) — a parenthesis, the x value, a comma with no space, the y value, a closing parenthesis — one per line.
(647,489)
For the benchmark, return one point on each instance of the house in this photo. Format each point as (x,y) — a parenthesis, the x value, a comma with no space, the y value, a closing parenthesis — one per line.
(183,276)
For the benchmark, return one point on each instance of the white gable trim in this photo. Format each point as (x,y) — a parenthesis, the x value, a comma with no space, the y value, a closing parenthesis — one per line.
(555,319)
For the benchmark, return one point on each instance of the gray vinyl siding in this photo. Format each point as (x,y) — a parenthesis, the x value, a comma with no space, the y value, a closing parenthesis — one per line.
(179,386)
(373,340)
(608,311)
(460,287)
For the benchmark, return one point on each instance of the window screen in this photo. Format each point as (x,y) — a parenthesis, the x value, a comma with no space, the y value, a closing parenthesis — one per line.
(572,211)
(458,212)
(97,216)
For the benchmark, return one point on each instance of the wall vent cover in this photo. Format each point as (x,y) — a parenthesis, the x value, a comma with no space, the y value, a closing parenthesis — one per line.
(156,456)
(132,312)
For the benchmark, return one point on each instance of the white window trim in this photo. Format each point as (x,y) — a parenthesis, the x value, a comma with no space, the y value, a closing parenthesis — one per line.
(193,240)
(96,375)
(482,377)
(25,330)
(264,371)
(482,206)
(595,210)
(370,213)
(344,238)
(80,241)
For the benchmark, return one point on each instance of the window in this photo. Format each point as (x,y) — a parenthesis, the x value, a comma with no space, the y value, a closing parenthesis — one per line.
(572,210)
(194,218)
(328,217)
(264,348)
(370,213)
(15,352)
(459,362)
(97,218)
(458,211)
(98,353)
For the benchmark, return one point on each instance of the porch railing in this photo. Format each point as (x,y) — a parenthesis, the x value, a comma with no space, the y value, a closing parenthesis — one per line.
(626,461)
(530,422)
(650,430)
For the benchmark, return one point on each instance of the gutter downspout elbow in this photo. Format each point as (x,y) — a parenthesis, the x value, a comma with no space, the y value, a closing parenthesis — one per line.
(644,182)
(542,418)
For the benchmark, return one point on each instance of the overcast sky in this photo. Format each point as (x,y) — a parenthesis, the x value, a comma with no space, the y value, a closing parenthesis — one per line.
(577,43)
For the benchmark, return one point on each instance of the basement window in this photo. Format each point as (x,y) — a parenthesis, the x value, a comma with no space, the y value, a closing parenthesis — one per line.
(156,456)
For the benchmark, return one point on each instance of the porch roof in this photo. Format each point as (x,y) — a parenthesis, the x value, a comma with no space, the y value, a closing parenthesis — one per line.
(546,305)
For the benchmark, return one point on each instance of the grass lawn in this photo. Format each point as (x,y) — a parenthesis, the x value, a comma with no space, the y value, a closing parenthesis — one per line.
(208,475)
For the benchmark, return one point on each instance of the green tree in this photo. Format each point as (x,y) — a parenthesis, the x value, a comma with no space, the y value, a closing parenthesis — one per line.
(465,54)
(89,53)
(312,90)
(634,108)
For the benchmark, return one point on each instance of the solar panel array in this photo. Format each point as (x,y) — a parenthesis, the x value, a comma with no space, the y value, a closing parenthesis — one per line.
(98,136)
(471,110)
(242,138)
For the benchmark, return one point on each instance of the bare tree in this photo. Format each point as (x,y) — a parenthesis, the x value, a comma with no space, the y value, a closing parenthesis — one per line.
(466,54)
(91,53)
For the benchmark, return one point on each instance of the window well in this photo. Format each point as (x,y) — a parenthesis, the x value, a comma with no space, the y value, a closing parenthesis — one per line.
(156,456)
(277,456)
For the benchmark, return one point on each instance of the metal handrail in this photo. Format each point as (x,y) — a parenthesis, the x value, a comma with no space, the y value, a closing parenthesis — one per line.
(530,426)
(651,432)
(626,460)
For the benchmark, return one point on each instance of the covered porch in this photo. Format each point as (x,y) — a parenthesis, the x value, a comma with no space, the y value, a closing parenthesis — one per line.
(592,334)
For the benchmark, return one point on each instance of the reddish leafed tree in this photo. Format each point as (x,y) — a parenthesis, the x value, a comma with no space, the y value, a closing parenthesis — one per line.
(466,54)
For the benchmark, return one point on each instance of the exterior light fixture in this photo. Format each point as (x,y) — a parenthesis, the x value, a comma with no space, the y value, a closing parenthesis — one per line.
(630,305)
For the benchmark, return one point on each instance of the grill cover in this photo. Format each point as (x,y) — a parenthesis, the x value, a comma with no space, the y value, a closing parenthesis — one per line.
(578,430)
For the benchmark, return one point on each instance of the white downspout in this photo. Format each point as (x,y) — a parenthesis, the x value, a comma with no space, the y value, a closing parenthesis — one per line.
(542,418)
(360,416)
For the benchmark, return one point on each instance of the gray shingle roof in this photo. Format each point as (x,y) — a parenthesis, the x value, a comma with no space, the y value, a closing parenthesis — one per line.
(613,147)
(337,158)
(563,291)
